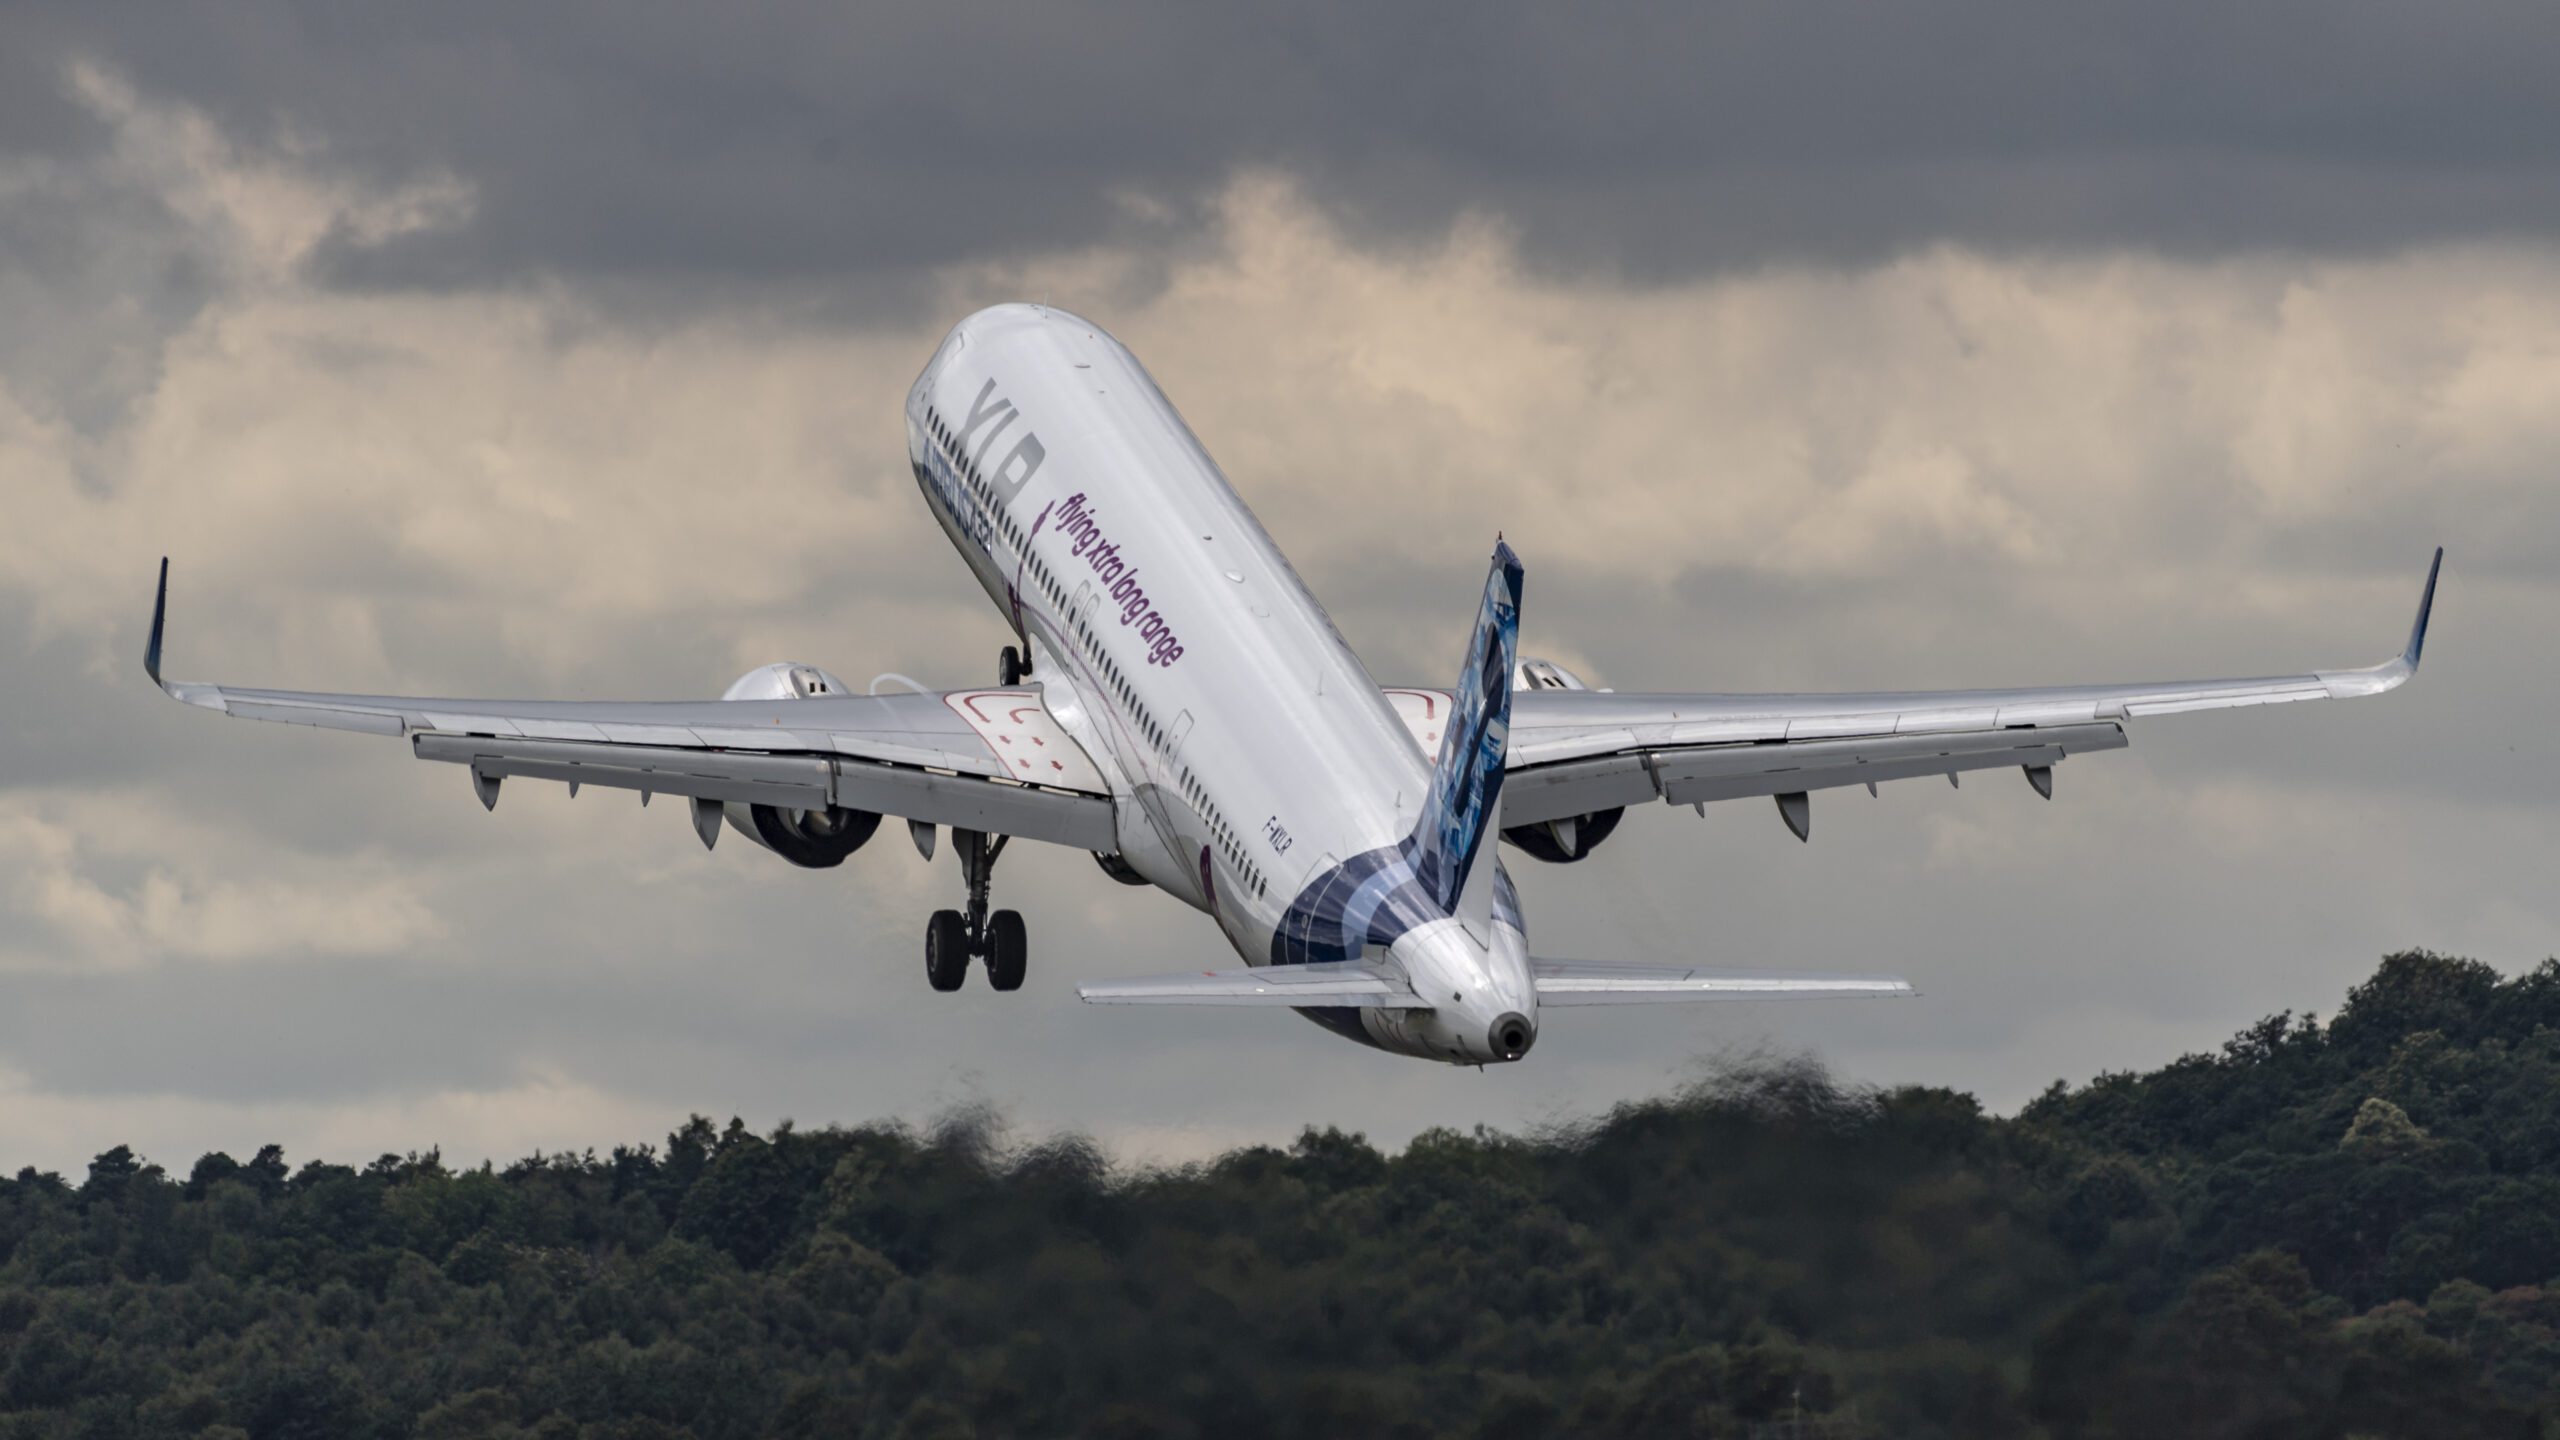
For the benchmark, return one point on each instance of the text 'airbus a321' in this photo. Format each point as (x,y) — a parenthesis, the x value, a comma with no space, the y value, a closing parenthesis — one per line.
(1181,706)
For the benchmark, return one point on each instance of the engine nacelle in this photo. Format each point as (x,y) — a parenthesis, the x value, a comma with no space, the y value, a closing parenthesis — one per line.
(1535,674)
(784,680)
(1559,842)
(811,839)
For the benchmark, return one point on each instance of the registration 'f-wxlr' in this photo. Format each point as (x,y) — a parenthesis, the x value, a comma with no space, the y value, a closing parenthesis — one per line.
(1177,703)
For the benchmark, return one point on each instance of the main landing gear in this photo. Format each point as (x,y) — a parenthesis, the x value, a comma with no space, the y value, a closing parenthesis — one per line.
(953,937)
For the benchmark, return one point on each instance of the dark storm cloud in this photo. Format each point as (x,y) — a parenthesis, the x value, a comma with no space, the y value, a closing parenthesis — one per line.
(94,272)
(852,144)
(37,116)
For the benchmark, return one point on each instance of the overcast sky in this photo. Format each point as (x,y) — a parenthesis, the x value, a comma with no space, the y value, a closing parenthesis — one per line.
(558,351)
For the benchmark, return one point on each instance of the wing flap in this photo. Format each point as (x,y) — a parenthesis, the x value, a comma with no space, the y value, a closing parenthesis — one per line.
(792,782)
(789,781)
(1355,983)
(1580,982)
(1686,775)
(1689,776)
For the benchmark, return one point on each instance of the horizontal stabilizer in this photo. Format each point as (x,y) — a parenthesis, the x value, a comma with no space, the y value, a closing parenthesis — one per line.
(1344,982)
(1577,982)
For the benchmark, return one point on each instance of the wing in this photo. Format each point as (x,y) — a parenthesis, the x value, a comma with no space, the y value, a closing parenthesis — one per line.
(1341,982)
(1576,982)
(1573,752)
(986,760)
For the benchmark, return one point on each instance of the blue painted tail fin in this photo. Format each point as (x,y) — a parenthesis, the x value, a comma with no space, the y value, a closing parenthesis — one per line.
(1452,845)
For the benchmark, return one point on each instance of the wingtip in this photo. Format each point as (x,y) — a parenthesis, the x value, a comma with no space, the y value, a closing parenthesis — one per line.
(159,622)
(2426,607)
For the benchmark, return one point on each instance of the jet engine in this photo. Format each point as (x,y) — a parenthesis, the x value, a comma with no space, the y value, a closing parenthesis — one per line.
(812,839)
(784,680)
(1562,841)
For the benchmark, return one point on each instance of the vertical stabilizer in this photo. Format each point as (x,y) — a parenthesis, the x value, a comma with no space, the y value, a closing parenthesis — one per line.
(1453,849)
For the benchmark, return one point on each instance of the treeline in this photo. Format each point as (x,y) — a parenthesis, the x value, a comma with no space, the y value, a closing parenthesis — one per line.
(2321,1230)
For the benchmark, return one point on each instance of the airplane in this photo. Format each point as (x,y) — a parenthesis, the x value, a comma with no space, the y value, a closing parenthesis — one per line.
(1177,703)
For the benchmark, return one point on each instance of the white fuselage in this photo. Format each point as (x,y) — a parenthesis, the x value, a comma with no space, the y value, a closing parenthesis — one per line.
(1247,748)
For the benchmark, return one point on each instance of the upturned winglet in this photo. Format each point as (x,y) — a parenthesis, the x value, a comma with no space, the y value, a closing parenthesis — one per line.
(159,620)
(2391,674)
(2426,605)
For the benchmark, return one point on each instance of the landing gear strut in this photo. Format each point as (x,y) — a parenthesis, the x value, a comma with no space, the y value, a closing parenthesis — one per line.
(953,937)
(1011,667)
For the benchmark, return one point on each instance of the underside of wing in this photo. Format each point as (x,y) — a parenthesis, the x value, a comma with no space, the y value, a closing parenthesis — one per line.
(987,760)
(1695,774)
(1579,982)
(1342,983)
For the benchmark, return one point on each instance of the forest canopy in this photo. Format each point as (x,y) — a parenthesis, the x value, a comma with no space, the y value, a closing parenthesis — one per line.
(2321,1229)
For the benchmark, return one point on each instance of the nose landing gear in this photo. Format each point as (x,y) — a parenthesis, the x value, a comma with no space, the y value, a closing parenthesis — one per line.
(952,938)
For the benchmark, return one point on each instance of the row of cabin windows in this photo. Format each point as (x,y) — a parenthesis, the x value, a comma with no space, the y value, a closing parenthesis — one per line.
(1222,833)
(1108,667)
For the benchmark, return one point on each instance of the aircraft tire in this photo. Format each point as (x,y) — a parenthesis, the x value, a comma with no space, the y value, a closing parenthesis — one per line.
(1009,667)
(1008,949)
(946,950)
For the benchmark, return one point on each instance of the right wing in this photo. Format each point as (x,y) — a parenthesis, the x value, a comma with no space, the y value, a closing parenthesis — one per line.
(1573,751)
(1579,982)
(992,761)
(1339,982)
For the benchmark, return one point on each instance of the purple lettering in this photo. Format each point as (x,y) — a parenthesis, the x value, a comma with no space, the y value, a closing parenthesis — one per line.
(1085,539)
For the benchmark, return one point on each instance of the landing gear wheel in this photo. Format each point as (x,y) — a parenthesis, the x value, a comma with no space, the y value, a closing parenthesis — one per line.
(956,935)
(1008,945)
(946,950)
(1010,667)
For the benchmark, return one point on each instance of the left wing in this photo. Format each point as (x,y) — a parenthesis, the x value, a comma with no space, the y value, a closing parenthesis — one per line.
(1573,752)
(992,761)
(1339,982)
